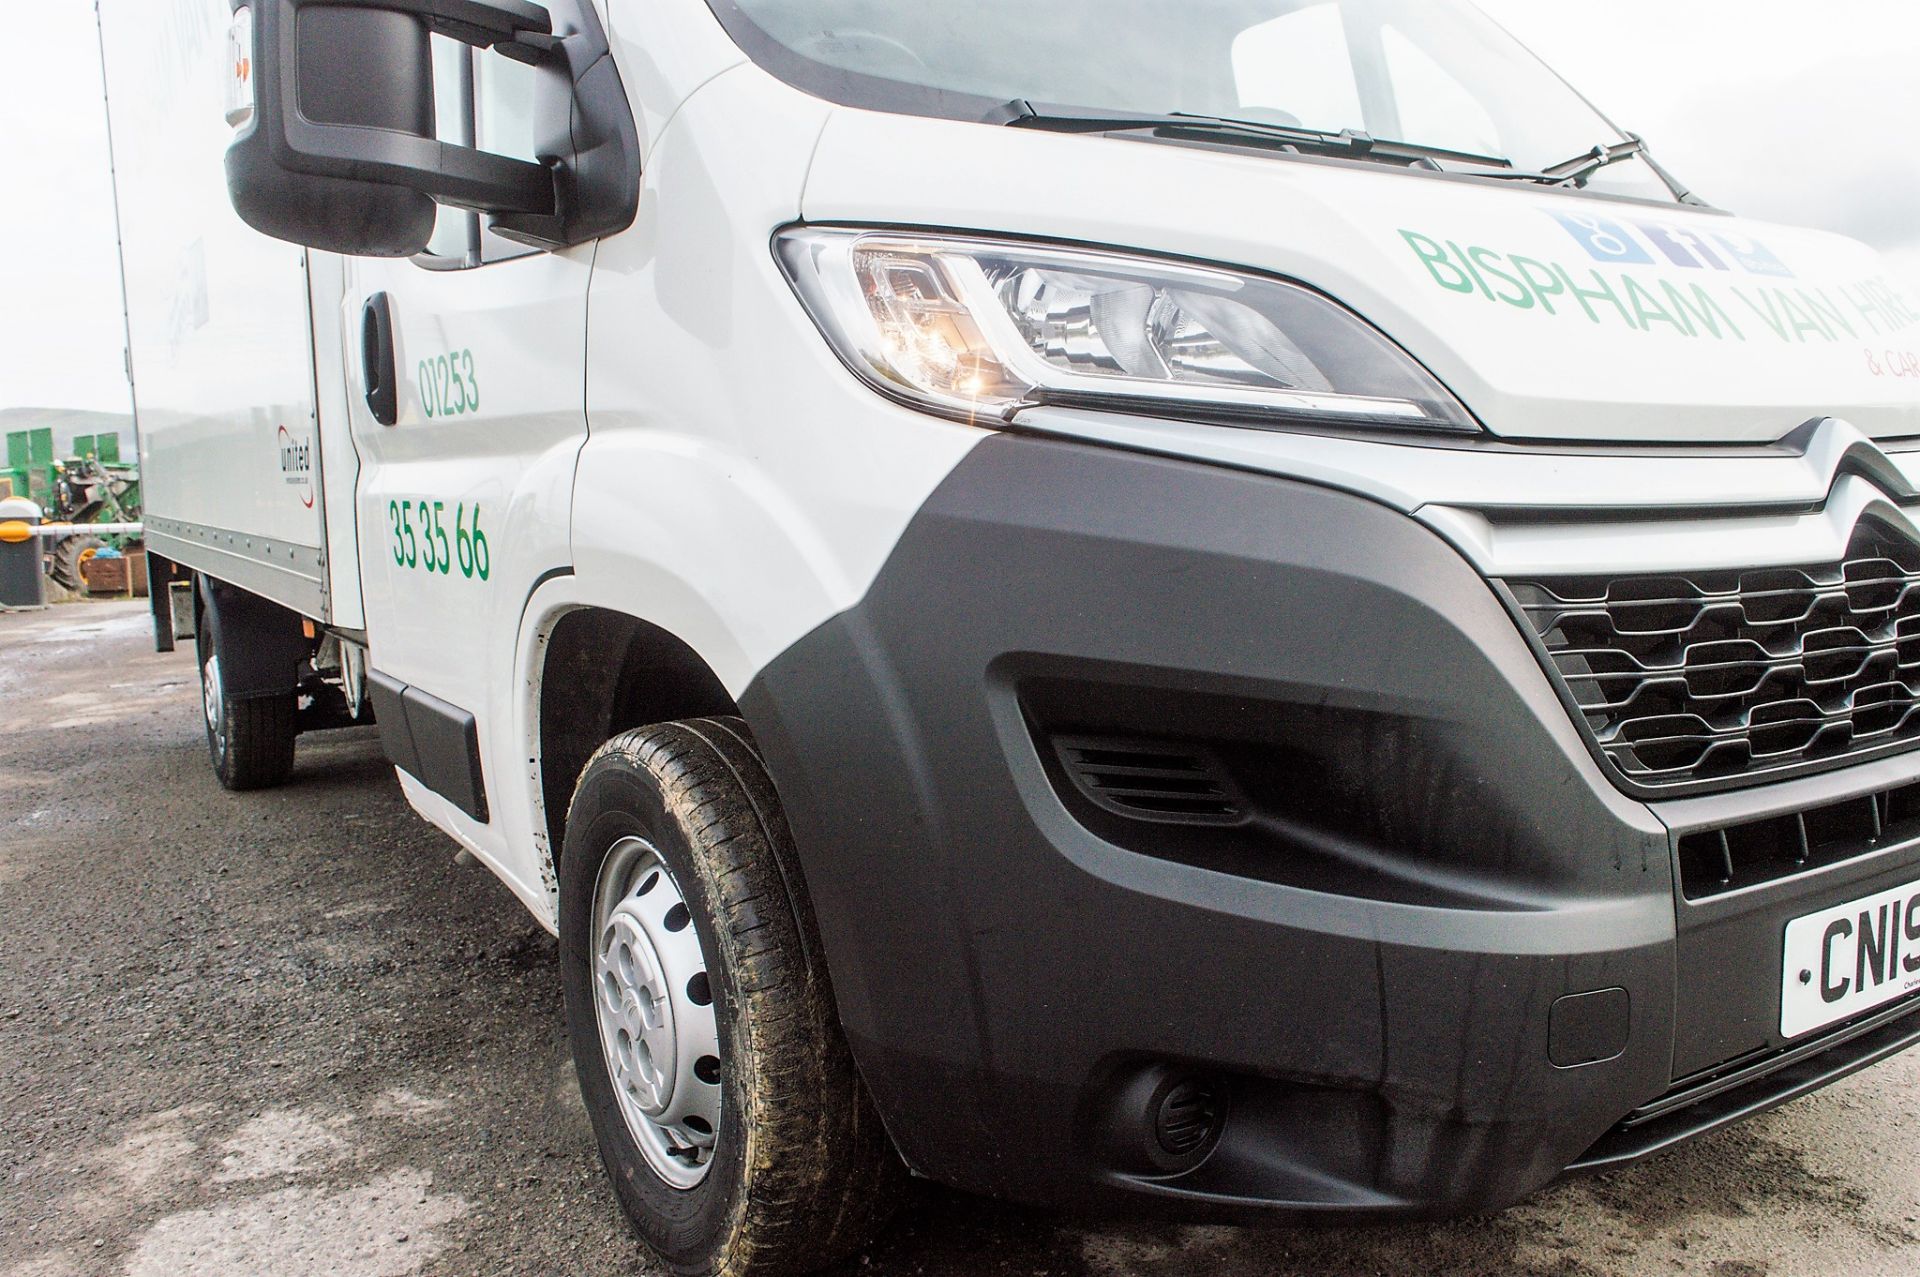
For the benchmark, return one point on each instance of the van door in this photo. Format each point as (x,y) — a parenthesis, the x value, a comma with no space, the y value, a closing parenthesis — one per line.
(466,380)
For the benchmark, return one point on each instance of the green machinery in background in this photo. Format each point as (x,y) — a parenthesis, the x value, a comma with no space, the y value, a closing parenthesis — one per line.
(92,486)
(29,471)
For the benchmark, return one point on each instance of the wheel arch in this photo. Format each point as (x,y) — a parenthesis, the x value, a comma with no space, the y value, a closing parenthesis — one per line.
(269,642)
(597,672)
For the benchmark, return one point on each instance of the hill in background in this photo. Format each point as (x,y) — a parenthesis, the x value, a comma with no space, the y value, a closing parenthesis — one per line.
(67,423)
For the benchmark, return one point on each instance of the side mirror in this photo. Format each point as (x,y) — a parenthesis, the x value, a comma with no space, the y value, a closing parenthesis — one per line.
(332,104)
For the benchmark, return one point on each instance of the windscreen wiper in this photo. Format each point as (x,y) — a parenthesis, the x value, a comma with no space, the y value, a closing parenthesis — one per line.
(1580,170)
(1020,113)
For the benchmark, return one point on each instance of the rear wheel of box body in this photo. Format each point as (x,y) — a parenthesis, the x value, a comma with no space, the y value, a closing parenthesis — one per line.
(739,1137)
(250,739)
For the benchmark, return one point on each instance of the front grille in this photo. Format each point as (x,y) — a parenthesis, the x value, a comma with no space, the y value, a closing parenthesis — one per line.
(1716,861)
(1705,676)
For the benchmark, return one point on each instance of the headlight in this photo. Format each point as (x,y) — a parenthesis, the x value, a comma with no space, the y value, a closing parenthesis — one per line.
(979,329)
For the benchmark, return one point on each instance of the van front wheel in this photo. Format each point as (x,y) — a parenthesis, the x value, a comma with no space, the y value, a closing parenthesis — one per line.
(738,1135)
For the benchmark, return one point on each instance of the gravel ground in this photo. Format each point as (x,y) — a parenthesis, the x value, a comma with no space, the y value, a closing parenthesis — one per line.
(285,1034)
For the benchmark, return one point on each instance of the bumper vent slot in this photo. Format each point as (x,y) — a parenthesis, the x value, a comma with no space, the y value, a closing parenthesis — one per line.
(1717,861)
(1163,782)
(1717,676)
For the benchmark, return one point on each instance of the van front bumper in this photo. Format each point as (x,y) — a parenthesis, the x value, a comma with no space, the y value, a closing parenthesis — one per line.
(1427,962)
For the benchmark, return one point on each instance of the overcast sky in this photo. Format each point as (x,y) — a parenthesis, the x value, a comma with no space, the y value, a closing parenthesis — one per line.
(1783,109)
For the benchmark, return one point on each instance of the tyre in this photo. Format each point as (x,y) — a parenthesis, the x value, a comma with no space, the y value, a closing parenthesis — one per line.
(739,1138)
(249,739)
(69,557)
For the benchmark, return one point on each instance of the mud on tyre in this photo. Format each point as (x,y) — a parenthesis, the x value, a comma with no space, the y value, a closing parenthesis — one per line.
(735,1128)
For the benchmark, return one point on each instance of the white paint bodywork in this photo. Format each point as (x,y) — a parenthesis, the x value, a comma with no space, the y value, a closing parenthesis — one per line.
(665,434)
(736,471)
(449,633)
(218,320)
(1339,227)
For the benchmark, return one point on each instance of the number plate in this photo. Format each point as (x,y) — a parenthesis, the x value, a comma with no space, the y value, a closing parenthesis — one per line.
(1849,959)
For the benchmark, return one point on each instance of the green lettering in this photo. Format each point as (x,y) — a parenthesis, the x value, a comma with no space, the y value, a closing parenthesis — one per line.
(1488,260)
(1648,309)
(1541,279)
(1771,314)
(1588,296)
(1895,302)
(1471,269)
(1437,259)
(1862,300)
(1701,311)
(1803,321)
(1828,314)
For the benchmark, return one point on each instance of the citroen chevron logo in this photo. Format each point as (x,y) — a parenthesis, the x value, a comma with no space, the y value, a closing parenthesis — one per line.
(1839,450)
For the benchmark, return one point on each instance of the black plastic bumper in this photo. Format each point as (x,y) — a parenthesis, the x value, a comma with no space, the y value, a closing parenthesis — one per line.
(1430,964)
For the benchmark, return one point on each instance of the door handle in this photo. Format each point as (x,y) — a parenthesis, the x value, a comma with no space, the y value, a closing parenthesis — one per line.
(377,360)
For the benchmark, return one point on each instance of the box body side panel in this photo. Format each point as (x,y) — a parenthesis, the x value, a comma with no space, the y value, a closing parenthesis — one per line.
(219,320)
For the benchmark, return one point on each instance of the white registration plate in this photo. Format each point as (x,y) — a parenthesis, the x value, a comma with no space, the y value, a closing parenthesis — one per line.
(1849,959)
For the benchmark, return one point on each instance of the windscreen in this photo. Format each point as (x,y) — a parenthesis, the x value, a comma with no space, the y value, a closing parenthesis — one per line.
(1437,73)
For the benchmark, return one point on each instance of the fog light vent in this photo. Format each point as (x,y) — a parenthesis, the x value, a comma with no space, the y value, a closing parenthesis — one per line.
(1189,1116)
(1164,1118)
(1165,782)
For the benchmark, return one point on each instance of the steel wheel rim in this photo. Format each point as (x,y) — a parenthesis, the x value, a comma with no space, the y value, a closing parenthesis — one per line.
(211,700)
(653,1003)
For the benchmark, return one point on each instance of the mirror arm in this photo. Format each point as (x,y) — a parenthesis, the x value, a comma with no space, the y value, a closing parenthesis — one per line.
(456,175)
(485,24)
(533,48)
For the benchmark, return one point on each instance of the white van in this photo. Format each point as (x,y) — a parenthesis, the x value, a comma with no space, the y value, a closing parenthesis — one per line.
(1240,608)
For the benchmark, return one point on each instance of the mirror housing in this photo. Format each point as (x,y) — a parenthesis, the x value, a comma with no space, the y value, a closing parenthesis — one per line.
(333,109)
